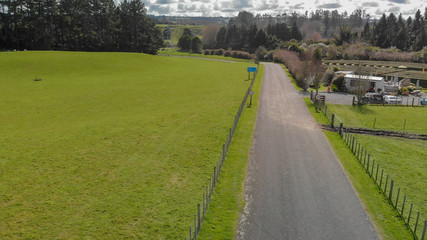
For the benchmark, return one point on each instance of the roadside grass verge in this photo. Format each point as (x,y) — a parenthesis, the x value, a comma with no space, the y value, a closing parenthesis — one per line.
(402,119)
(384,216)
(110,145)
(228,200)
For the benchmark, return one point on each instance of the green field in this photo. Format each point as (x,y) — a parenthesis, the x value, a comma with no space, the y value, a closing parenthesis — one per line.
(401,119)
(404,161)
(177,30)
(109,145)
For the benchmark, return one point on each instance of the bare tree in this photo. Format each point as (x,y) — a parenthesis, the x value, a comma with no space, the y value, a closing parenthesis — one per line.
(315,70)
(209,36)
(361,84)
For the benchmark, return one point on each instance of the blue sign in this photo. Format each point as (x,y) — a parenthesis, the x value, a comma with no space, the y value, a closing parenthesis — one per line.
(251,69)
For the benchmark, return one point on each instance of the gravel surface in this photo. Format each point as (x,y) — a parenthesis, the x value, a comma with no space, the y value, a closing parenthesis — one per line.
(296,188)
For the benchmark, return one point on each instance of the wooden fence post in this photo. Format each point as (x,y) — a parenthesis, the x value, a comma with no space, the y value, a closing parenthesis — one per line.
(386,183)
(397,198)
(410,211)
(333,121)
(381,180)
(416,223)
(352,146)
(403,208)
(341,126)
(391,190)
(198,217)
(376,175)
(372,171)
(424,230)
(367,166)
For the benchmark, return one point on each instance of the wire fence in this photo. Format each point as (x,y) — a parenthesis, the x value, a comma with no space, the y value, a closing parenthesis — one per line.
(202,207)
(388,187)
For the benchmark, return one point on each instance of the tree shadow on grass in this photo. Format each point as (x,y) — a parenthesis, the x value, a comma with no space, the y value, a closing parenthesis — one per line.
(363,109)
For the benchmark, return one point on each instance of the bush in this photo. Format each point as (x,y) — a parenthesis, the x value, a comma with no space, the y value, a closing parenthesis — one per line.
(334,88)
(338,81)
(227,53)
(295,48)
(220,52)
(328,76)
(207,52)
(260,52)
(336,69)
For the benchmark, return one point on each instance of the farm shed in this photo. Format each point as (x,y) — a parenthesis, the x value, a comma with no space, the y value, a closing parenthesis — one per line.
(373,83)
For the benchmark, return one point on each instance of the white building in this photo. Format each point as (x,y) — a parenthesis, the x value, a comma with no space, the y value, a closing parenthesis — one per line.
(351,82)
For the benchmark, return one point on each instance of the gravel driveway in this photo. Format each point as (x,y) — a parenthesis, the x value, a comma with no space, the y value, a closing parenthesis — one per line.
(296,188)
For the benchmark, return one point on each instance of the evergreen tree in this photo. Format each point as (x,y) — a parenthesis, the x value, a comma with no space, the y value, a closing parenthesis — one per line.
(221,38)
(295,33)
(261,38)
(251,38)
(196,45)
(366,33)
(184,43)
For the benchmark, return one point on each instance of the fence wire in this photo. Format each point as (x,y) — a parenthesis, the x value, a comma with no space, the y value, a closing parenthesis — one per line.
(202,208)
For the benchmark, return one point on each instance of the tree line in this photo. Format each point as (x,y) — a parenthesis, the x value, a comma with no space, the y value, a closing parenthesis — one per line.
(78,25)
(247,32)
(392,31)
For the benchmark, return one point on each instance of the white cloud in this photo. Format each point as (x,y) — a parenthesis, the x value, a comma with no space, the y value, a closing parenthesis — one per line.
(233,7)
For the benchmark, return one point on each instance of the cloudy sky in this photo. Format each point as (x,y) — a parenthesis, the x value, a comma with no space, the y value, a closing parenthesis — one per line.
(230,8)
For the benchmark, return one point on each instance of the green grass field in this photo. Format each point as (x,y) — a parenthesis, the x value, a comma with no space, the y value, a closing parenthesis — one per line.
(404,161)
(401,119)
(177,30)
(109,145)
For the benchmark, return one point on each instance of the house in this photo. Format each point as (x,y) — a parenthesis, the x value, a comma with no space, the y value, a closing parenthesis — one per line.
(351,82)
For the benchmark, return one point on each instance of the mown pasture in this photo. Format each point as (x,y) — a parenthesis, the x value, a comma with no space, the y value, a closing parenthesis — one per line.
(109,145)
(177,30)
(395,118)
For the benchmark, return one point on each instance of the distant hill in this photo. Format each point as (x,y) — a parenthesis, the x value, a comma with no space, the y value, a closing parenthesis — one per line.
(189,20)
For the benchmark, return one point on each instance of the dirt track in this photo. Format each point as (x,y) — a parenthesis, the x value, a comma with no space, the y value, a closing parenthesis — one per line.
(296,188)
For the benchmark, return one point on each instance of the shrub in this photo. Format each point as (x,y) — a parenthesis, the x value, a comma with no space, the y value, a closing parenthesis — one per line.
(260,52)
(328,76)
(335,69)
(334,88)
(220,52)
(227,53)
(207,52)
(338,81)
(295,48)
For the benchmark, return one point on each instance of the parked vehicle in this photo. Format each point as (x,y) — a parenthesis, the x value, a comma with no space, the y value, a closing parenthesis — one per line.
(373,98)
(423,101)
(390,99)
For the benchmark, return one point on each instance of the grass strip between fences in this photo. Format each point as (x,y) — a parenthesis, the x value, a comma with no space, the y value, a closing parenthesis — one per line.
(413,219)
(202,207)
